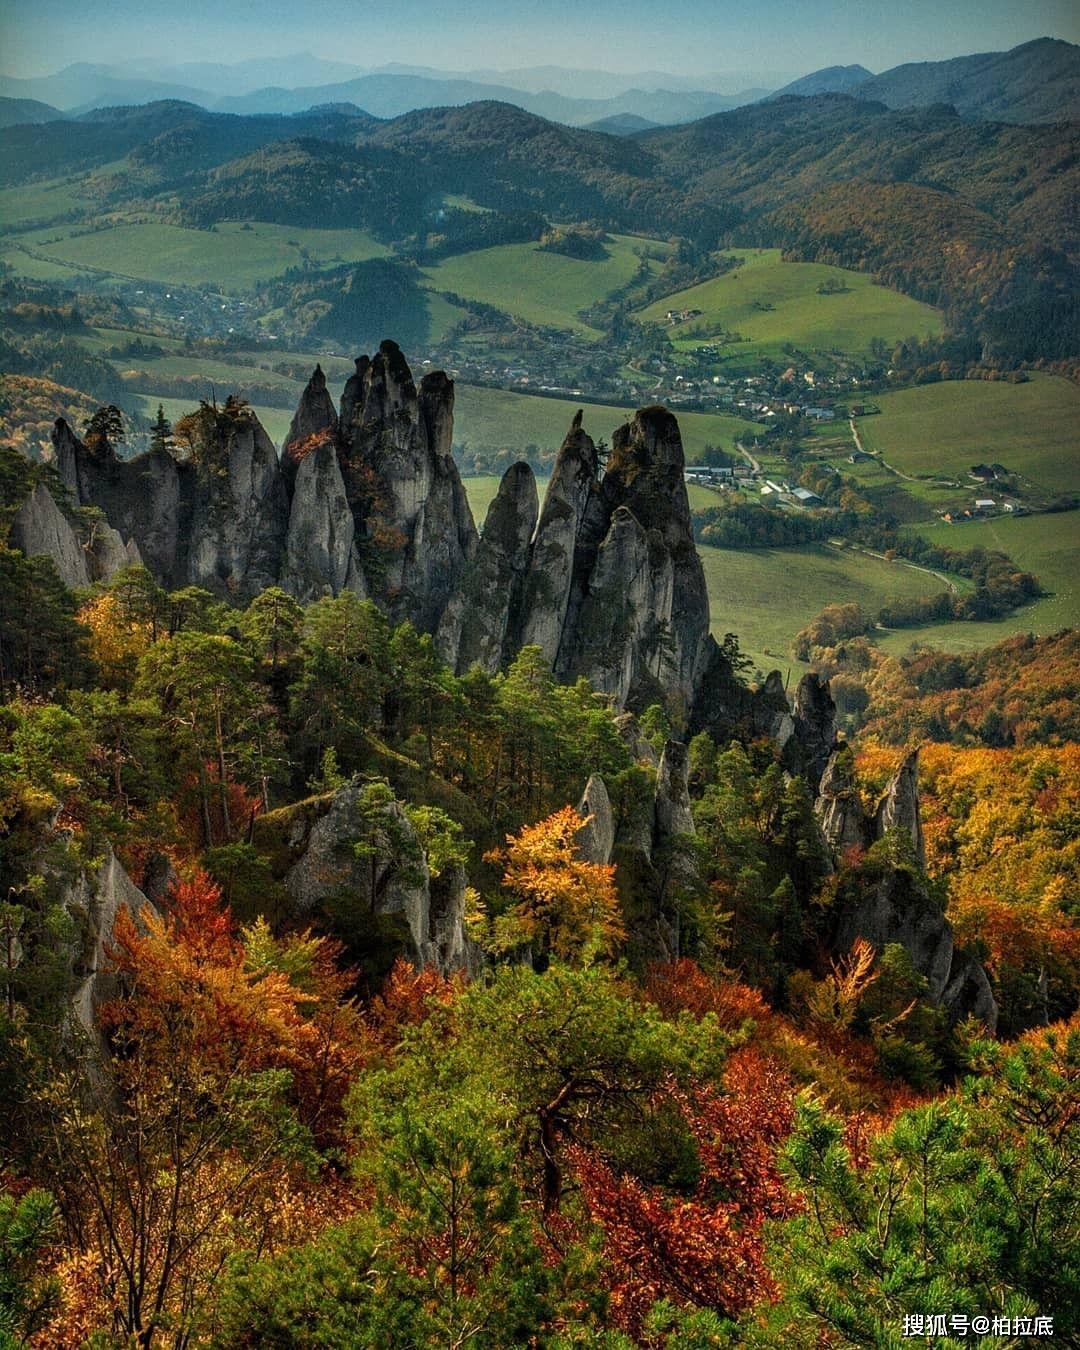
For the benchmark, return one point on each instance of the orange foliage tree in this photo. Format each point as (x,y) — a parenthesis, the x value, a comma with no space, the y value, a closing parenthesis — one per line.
(232,1052)
(706,1248)
(564,905)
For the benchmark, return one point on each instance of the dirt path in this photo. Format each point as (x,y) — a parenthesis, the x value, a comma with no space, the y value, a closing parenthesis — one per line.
(943,577)
(898,473)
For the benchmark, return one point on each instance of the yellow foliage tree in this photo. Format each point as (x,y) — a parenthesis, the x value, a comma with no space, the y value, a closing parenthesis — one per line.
(117,640)
(564,905)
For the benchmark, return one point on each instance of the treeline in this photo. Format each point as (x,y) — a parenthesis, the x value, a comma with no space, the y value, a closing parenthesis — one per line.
(461,231)
(269,394)
(736,524)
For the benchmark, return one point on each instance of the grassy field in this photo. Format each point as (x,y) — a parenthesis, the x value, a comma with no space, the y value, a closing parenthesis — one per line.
(766,595)
(1031,428)
(1049,546)
(771,303)
(482,488)
(500,417)
(45,200)
(540,287)
(229,257)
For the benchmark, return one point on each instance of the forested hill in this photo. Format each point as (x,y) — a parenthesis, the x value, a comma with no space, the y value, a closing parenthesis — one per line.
(937,204)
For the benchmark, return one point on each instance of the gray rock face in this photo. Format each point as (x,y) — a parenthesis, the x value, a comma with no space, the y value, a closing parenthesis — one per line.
(40,527)
(476,622)
(569,531)
(899,907)
(97,900)
(596,838)
(403,485)
(107,553)
(899,807)
(389,880)
(815,727)
(320,554)
(839,807)
(141,498)
(671,805)
(314,417)
(239,516)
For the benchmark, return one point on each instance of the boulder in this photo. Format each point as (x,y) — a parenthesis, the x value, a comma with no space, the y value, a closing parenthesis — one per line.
(383,893)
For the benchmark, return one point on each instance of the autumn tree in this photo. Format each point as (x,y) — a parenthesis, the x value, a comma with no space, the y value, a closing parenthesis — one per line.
(561,905)
(230,1056)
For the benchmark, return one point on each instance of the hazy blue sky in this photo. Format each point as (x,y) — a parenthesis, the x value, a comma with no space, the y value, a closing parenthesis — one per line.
(685,36)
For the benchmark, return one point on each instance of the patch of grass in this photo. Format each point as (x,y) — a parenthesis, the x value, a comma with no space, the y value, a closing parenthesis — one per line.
(766,595)
(540,287)
(772,303)
(230,256)
(1047,545)
(1031,428)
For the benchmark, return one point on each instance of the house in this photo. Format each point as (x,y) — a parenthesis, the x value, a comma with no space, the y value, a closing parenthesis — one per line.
(859,457)
(805,497)
(985,504)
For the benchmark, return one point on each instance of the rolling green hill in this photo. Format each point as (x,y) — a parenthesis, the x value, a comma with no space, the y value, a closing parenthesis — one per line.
(233,256)
(543,287)
(772,303)
(1032,428)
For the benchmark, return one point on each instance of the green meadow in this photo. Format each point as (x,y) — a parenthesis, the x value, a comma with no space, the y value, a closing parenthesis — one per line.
(541,287)
(1032,428)
(229,256)
(773,304)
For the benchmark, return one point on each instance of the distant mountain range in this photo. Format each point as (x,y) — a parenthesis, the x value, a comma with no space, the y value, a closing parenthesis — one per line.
(1036,82)
(20,111)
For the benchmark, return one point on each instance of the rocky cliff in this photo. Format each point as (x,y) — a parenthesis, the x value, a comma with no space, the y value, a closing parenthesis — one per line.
(890,900)
(603,576)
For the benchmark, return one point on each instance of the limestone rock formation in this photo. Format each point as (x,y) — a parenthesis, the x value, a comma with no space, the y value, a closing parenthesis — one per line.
(239,511)
(384,893)
(96,900)
(107,553)
(893,903)
(569,531)
(899,806)
(402,482)
(900,909)
(596,838)
(475,625)
(314,418)
(814,727)
(40,527)
(839,807)
(141,497)
(320,543)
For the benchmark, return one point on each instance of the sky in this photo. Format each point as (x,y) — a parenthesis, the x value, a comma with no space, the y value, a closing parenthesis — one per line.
(682,36)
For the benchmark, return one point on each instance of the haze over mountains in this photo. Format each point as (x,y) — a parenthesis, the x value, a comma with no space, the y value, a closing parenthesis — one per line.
(1036,82)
